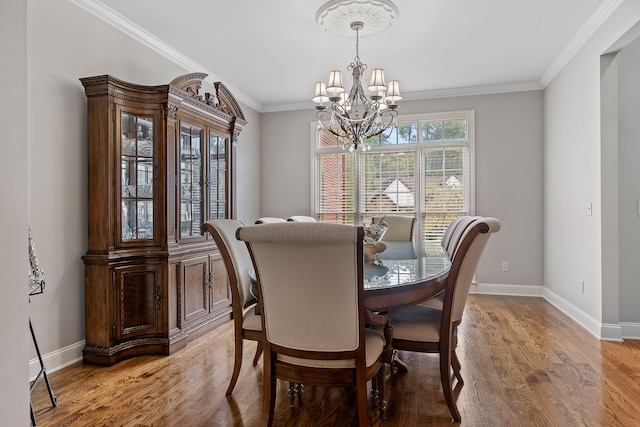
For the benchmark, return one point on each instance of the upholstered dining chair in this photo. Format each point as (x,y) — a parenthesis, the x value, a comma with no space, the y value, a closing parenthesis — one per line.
(301,218)
(247,324)
(400,227)
(446,238)
(310,279)
(426,329)
(457,232)
(269,220)
(449,242)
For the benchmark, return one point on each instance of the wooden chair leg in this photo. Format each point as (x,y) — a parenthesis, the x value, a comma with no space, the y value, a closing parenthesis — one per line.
(362,401)
(447,386)
(269,392)
(258,353)
(455,364)
(237,364)
(382,403)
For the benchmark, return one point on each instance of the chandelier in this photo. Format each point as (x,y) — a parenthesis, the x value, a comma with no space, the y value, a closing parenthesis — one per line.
(351,116)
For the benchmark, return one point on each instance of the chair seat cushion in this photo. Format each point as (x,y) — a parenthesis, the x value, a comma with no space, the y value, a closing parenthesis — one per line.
(416,323)
(374,344)
(251,320)
(435,302)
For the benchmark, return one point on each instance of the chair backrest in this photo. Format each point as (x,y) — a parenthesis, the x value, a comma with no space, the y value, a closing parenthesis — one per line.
(236,260)
(464,264)
(301,218)
(446,238)
(310,276)
(401,227)
(456,234)
(269,220)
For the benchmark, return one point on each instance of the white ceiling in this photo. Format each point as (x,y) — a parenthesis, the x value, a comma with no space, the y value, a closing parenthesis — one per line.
(270,53)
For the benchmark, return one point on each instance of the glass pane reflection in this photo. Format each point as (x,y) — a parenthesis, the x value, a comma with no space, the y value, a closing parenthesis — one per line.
(403,263)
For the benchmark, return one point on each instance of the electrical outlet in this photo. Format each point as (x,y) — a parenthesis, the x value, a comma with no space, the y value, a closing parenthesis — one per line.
(505,266)
(581,286)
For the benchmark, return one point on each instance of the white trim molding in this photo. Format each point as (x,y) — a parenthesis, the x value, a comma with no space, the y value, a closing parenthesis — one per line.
(630,330)
(592,325)
(113,18)
(57,359)
(595,21)
(504,289)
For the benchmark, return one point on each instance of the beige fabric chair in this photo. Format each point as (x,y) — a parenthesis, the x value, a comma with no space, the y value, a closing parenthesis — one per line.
(446,238)
(310,277)
(451,237)
(247,324)
(401,228)
(457,232)
(269,220)
(430,330)
(301,218)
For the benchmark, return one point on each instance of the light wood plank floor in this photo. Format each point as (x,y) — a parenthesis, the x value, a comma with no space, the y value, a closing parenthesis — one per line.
(524,364)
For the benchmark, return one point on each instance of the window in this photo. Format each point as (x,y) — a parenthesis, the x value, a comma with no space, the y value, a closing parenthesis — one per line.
(423,166)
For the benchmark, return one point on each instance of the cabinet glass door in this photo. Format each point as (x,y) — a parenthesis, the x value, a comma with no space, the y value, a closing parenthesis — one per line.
(217,183)
(190,180)
(136,156)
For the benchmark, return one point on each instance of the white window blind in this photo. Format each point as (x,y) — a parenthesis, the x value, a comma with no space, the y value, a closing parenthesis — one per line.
(422,167)
(388,180)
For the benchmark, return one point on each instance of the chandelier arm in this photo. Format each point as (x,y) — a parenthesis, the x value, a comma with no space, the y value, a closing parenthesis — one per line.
(322,117)
(386,125)
(354,118)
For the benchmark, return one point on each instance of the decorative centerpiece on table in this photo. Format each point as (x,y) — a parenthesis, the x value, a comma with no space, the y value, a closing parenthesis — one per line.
(373,243)
(371,248)
(376,231)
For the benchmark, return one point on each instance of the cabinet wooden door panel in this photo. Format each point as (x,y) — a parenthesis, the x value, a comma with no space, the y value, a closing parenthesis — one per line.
(138,295)
(221,293)
(195,288)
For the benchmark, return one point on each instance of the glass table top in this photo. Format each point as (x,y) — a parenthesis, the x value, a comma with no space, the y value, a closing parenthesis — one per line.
(405,263)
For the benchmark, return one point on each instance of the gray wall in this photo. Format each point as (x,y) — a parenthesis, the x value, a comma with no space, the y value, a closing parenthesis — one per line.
(509,129)
(629,182)
(14,307)
(76,44)
(579,170)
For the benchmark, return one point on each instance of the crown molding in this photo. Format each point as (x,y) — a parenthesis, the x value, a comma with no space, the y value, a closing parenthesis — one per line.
(588,29)
(113,18)
(431,94)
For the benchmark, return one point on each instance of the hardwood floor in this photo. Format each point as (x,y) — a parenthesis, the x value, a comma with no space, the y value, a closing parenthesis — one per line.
(524,364)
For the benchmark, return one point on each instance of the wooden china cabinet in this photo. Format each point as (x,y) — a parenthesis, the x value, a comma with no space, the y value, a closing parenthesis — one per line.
(161,162)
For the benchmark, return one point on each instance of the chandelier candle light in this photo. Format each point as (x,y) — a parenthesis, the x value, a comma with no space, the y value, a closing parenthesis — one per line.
(353,117)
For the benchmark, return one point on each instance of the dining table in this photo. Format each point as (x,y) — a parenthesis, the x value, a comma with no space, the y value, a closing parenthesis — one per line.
(404,274)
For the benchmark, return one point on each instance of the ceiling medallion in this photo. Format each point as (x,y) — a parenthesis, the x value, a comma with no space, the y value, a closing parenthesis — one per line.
(376,16)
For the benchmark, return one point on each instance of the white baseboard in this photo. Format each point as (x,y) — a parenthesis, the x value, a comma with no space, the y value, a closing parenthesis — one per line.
(605,332)
(630,330)
(505,289)
(602,331)
(57,359)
